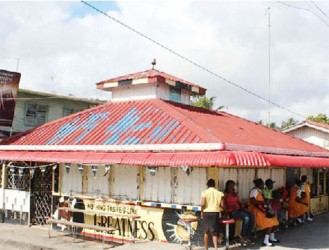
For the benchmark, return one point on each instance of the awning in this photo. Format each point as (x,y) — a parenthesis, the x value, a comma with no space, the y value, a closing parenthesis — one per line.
(298,161)
(199,159)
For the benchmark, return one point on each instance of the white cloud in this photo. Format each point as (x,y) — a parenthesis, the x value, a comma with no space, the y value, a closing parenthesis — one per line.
(230,39)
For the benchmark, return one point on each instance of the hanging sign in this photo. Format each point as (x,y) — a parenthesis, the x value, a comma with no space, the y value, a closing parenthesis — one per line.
(9,82)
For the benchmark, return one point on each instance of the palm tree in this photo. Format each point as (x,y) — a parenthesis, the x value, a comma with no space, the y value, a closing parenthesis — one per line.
(205,102)
(289,123)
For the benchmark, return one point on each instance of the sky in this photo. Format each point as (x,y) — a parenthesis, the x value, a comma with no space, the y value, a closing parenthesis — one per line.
(66,47)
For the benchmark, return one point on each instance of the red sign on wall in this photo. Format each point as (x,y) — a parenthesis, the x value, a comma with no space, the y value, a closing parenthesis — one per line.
(9,82)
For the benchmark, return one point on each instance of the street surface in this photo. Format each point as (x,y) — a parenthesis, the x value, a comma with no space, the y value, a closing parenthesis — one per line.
(314,235)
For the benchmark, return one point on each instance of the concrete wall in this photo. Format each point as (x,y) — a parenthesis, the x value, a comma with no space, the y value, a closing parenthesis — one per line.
(55,110)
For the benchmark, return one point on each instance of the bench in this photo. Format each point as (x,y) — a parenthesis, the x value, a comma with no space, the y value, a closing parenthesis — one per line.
(74,225)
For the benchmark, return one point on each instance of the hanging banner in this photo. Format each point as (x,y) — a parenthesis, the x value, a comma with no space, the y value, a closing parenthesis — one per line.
(8,91)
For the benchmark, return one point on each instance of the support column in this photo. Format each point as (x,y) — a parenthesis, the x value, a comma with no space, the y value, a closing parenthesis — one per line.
(3,184)
(140,183)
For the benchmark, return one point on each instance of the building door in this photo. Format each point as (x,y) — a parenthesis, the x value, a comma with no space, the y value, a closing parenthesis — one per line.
(41,186)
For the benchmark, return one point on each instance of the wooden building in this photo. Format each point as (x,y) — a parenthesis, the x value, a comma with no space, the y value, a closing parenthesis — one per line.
(146,153)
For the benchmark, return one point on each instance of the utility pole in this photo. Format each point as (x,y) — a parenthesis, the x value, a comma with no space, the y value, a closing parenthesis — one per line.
(269,66)
(17,64)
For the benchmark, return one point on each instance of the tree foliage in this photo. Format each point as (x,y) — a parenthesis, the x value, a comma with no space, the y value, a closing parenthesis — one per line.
(289,123)
(321,118)
(205,102)
(272,125)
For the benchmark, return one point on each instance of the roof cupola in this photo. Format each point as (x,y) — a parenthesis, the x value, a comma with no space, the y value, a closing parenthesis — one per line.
(150,84)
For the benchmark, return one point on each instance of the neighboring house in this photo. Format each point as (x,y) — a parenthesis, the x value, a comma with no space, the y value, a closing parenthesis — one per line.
(318,134)
(146,154)
(34,108)
(313,132)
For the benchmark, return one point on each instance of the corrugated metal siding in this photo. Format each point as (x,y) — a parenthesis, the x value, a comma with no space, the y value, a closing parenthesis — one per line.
(124,182)
(72,181)
(243,177)
(226,174)
(245,182)
(189,187)
(158,188)
(264,173)
(279,176)
(97,186)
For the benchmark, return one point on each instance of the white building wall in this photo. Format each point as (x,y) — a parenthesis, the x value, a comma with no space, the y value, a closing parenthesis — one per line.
(157,188)
(226,174)
(185,97)
(245,182)
(134,92)
(98,185)
(279,176)
(125,184)
(72,181)
(188,188)
(16,200)
(312,135)
(146,91)
(244,178)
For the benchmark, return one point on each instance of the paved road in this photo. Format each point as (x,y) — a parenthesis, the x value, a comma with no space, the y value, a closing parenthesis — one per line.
(314,235)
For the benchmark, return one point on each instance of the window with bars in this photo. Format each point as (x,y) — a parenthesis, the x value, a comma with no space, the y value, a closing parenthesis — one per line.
(18,182)
(69,111)
(35,114)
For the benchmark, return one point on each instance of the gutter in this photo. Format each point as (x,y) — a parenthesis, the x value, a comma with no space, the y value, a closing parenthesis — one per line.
(118,148)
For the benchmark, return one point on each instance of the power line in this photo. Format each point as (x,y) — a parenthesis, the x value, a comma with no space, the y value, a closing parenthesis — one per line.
(319,9)
(305,9)
(192,62)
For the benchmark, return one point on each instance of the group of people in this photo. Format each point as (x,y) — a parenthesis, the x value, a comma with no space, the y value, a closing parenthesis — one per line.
(266,209)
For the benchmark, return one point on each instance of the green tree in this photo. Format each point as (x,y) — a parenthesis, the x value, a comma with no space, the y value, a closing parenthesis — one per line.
(322,118)
(272,125)
(289,123)
(205,102)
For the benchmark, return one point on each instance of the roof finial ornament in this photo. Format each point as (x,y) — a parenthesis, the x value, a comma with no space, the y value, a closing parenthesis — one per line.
(154,62)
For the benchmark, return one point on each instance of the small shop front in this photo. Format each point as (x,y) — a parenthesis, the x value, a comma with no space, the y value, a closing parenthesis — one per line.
(319,183)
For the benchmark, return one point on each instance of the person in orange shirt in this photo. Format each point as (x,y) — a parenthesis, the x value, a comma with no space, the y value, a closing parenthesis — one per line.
(211,206)
(306,189)
(264,220)
(296,206)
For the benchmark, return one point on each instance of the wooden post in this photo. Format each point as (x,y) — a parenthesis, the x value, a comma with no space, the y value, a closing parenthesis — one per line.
(85,180)
(110,181)
(141,175)
(3,184)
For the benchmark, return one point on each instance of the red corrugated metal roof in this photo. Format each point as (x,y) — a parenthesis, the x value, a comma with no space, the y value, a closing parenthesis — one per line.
(200,159)
(162,122)
(318,124)
(151,73)
(233,130)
